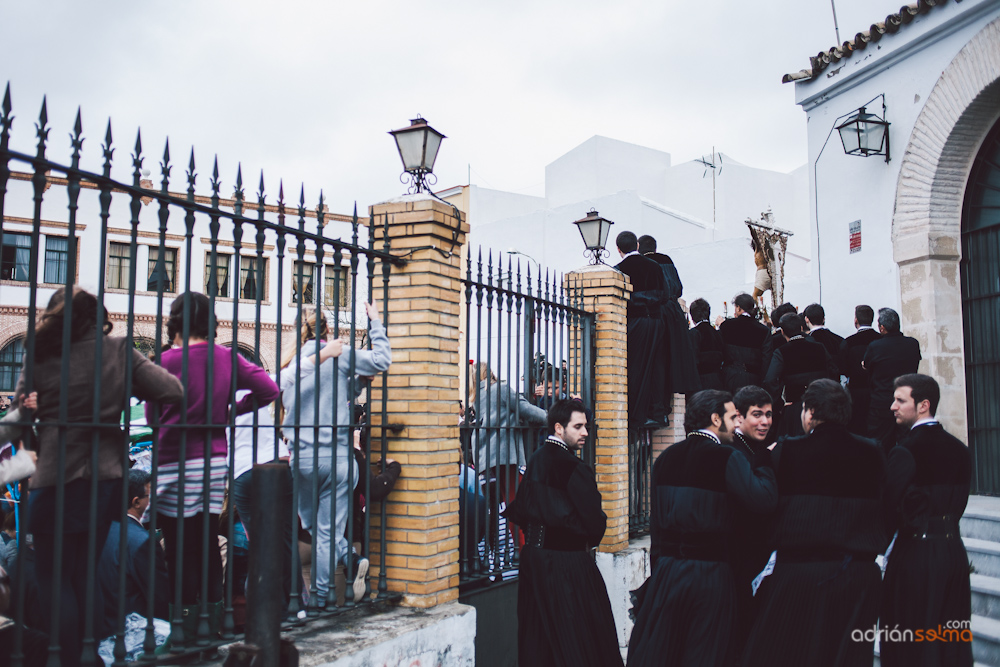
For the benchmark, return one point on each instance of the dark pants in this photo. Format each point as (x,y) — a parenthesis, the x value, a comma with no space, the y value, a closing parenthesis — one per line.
(193,548)
(242,497)
(72,603)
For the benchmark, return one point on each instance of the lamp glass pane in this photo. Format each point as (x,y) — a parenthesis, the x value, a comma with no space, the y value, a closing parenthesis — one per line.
(433,144)
(411,148)
(590,230)
(605,228)
(850,135)
(872,137)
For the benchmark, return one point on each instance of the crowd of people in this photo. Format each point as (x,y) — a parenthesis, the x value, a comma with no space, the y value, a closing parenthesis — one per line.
(809,460)
(191,395)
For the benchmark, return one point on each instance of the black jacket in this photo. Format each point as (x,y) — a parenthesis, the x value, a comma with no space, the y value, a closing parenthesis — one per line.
(708,352)
(852,352)
(644,273)
(773,342)
(885,360)
(743,338)
(796,364)
(831,342)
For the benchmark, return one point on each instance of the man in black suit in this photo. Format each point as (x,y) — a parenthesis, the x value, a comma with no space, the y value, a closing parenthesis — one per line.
(852,351)
(815,318)
(776,340)
(796,364)
(708,346)
(885,360)
(744,339)
(680,372)
(646,333)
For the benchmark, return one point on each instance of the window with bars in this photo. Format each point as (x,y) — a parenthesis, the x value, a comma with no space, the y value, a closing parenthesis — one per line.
(56,259)
(15,256)
(308,281)
(162,272)
(119,263)
(217,277)
(252,280)
(336,286)
(10,363)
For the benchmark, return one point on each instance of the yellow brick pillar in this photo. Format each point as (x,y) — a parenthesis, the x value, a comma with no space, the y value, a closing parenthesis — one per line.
(423,317)
(605,292)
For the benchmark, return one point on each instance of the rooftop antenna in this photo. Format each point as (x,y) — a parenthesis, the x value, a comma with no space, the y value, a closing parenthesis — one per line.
(715,164)
(836,28)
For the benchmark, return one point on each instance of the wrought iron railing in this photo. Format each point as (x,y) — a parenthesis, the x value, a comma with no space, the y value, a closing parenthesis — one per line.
(528,341)
(640,470)
(252,245)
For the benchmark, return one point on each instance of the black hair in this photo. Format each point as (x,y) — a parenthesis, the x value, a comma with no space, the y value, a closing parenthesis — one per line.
(828,401)
(86,315)
(791,325)
(781,311)
(647,244)
(627,242)
(198,327)
(922,388)
(700,310)
(750,396)
(702,406)
(562,411)
(888,319)
(746,302)
(815,313)
(137,481)
(864,315)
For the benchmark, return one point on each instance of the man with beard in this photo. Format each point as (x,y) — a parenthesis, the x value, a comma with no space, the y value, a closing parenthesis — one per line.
(744,338)
(885,360)
(852,352)
(646,335)
(688,605)
(793,367)
(750,535)
(927,574)
(707,346)
(563,611)
(827,530)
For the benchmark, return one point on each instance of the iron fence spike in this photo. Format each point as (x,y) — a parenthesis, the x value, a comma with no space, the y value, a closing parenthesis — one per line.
(43,117)
(6,101)
(191,160)
(166,151)
(138,141)
(107,135)
(78,125)
(260,188)
(239,176)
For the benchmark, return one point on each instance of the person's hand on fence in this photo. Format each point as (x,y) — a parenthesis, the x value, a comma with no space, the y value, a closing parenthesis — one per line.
(30,402)
(539,390)
(331,350)
(372,311)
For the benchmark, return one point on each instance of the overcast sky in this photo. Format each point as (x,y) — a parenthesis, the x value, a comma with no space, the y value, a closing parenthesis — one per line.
(306,91)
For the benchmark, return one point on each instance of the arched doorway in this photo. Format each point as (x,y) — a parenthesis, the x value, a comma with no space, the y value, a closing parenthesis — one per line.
(10,365)
(981,311)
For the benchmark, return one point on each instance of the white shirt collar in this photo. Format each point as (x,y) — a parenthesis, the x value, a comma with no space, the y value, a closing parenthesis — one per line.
(711,435)
(817,327)
(699,322)
(921,422)
(865,327)
(629,254)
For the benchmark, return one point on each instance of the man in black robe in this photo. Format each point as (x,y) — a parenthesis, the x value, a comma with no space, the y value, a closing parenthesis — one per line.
(885,360)
(707,346)
(753,407)
(681,374)
(825,584)
(744,339)
(927,575)
(563,612)
(646,335)
(793,367)
(815,320)
(688,605)
(852,352)
(773,342)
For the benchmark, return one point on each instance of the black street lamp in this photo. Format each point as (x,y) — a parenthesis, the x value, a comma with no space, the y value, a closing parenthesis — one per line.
(865,134)
(418,146)
(594,230)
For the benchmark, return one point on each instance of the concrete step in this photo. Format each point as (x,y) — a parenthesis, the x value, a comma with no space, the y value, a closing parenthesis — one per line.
(984,556)
(985,595)
(981,524)
(986,640)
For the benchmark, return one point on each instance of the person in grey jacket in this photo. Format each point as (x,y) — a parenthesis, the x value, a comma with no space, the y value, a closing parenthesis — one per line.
(501,415)
(322,456)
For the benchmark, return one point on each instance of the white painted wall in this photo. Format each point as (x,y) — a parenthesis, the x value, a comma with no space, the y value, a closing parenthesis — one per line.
(603,166)
(905,67)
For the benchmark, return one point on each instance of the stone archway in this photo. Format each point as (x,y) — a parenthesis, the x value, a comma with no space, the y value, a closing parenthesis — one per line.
(927,219)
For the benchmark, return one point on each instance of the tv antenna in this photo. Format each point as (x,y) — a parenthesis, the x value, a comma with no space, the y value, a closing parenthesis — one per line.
(715,164)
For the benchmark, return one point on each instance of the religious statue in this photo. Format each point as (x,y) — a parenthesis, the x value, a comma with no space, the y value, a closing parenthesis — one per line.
(769,244)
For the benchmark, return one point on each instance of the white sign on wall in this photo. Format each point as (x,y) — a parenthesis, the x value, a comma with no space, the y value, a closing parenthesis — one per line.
(855,236)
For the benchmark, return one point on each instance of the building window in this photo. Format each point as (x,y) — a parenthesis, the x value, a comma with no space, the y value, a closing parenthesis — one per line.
(56,259)
(217,285)
(165,272)
(309,279)
(119,264)
(336,286)
(251,281)
(10,362)
(15,256)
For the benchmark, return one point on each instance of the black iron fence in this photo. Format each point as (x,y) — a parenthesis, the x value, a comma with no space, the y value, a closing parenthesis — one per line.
(640,470)
(528,342)
(82,583)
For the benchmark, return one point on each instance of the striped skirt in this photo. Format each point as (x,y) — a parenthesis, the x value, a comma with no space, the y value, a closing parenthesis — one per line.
(168,491)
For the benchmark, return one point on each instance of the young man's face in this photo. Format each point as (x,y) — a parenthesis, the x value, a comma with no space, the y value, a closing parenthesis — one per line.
(574,433)
(906,410)
(757,422)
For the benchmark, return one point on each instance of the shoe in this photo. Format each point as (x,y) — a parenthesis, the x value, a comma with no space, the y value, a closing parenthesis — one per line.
(361,571)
